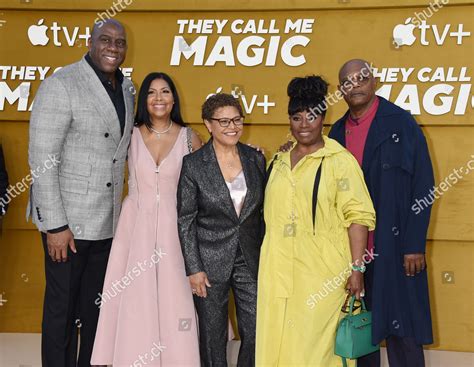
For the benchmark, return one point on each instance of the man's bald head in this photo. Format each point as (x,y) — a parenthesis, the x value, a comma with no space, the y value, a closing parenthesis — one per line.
(108,46)
(358,84)
(107,22)
(355,65)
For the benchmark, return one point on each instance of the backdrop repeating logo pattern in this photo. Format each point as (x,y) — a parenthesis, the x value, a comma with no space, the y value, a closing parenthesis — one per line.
(61,35)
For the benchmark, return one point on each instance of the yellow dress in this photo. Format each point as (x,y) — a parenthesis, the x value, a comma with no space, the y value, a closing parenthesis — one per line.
(303,272)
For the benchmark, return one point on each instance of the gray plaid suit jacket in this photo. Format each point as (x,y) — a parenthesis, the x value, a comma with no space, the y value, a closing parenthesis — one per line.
(74,121)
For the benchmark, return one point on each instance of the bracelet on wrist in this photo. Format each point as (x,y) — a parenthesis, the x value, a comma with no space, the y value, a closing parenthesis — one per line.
(361,268)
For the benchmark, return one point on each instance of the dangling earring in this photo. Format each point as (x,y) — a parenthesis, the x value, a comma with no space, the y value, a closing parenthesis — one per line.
(290,137)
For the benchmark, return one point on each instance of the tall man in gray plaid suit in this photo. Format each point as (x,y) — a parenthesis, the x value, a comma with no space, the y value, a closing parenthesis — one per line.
(82,116)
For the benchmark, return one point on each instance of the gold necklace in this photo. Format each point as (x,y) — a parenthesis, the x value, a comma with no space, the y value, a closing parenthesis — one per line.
(230,165)
(221,161)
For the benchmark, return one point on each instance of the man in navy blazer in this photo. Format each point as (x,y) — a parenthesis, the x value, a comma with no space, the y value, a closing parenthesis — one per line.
(394,156)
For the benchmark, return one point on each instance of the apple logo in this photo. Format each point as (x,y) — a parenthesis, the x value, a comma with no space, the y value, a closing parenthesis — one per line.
(403,34)
(37,34)
(218,90)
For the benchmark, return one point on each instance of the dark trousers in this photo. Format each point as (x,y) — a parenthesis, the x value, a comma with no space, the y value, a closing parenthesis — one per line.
(213,317)
(401,351)
(72,288)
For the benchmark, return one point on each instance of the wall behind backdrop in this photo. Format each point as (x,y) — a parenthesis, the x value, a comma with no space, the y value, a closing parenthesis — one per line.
(423,64)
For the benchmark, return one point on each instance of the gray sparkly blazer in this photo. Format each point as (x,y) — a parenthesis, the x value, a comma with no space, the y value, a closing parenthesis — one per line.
(209,229)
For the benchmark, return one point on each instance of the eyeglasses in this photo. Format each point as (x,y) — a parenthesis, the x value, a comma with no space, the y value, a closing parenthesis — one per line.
(238,121)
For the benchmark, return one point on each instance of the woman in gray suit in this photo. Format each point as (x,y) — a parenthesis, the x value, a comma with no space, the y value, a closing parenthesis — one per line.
(220,224)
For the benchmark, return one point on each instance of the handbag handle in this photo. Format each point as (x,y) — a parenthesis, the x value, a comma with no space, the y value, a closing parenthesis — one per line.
(351,305)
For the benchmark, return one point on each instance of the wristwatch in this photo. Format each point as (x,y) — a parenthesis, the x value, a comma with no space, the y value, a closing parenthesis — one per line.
(361,268)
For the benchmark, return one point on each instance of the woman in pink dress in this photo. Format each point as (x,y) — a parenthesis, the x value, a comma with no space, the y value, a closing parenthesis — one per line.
(147,315)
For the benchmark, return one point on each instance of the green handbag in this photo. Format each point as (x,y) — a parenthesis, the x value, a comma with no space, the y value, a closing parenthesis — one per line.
(354,334)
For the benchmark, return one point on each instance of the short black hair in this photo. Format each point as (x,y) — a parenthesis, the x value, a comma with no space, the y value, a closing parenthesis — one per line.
(217,101)
(142,116)
(307,94)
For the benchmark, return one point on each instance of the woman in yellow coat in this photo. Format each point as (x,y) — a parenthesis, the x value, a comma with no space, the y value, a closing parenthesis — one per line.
(317,213)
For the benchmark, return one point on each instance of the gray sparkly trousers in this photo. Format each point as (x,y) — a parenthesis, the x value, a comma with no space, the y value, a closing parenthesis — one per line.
(213,317)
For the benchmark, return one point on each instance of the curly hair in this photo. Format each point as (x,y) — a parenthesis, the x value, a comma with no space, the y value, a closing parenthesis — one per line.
(307,93)
(217,101)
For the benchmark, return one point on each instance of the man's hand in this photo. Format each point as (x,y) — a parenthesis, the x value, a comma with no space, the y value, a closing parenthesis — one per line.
(58,243)
(199,282)
(286,147)
(256,147)
(414,263)
(355,284)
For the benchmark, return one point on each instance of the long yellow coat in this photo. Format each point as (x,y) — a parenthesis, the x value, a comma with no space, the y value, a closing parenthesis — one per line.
(302,271)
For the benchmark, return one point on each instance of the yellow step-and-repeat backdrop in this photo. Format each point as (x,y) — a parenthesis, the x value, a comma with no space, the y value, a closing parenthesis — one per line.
(421,54)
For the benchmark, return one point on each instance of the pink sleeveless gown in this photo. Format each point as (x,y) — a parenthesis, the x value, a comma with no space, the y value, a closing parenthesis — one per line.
(147,316)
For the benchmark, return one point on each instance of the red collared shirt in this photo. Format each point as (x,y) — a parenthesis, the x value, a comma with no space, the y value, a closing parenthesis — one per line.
(356,136)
